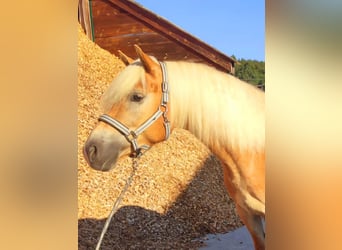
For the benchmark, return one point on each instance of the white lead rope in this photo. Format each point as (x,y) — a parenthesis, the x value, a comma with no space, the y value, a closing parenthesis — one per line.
(117,203)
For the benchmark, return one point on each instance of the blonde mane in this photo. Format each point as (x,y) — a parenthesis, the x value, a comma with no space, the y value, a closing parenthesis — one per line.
(216,107)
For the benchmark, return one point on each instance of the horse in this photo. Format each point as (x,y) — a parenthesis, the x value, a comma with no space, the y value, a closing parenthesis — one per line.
(149,98)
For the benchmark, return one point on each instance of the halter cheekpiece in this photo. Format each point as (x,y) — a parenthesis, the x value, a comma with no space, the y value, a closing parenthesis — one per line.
(132,135)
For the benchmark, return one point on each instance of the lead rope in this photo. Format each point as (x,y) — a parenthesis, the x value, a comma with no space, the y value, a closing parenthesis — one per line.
(117,202)
(131,136)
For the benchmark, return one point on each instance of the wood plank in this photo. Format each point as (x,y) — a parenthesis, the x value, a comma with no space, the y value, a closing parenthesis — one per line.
(113,29)
(162,50)
(110,20)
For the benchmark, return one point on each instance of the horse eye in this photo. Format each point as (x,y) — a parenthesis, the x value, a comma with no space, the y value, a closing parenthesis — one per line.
(136,97)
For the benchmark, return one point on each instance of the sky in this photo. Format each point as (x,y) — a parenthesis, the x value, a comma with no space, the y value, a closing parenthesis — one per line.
(233,27)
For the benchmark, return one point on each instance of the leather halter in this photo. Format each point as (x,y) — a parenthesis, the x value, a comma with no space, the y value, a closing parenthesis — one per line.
(132,135)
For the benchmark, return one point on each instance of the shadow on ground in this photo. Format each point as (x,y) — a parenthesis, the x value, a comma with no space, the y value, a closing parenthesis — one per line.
(194,214)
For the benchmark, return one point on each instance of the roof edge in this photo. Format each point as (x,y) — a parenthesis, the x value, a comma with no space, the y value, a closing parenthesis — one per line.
(192,43)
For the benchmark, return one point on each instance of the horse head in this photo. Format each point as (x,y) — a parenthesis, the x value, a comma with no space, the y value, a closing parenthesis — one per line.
(135,106)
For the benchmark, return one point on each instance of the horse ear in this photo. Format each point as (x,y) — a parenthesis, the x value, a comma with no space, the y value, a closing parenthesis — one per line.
(124,58)
(147,62)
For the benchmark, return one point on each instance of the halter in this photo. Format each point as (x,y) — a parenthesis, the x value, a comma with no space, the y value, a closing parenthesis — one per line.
(132,135)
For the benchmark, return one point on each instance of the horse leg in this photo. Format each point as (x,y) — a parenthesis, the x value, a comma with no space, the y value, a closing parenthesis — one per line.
(249,209)
(254,225)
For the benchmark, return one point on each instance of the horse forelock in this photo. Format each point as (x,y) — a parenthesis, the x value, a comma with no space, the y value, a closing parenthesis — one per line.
(122,85)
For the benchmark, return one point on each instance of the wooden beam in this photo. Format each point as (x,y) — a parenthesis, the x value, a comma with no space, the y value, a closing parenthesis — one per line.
(85,17)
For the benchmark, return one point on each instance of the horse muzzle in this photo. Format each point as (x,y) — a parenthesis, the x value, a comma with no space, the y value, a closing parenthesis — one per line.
(102,150)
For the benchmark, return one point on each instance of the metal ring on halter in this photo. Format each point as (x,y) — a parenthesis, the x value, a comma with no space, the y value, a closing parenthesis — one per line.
(132,135)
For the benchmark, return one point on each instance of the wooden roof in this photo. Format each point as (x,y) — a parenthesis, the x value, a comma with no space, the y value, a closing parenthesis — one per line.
(119,24)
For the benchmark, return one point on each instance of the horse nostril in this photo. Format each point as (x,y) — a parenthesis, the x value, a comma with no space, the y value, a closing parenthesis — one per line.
(92,153)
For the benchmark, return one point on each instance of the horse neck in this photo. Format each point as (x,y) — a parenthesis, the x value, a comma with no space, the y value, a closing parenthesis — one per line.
(217,108)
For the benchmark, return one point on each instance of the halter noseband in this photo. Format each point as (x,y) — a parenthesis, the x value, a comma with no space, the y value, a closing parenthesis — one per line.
(132,135)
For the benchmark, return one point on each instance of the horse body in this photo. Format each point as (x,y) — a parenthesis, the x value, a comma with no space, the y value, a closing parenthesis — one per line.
(227,115)
(223,112)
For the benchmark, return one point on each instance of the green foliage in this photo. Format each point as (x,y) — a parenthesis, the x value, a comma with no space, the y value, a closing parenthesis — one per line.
(251,71)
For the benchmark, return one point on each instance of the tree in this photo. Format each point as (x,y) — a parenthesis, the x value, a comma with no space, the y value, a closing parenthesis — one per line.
(251,71)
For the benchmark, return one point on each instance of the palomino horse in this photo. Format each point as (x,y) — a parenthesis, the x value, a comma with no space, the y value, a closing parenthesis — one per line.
(150,98)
